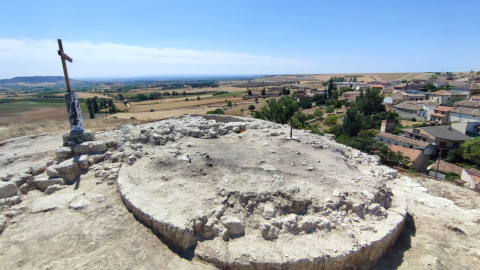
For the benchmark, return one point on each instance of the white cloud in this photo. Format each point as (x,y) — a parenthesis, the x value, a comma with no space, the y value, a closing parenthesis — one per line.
(27,57)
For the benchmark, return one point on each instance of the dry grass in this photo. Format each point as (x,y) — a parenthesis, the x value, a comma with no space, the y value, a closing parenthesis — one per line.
(169,104)
(57,126)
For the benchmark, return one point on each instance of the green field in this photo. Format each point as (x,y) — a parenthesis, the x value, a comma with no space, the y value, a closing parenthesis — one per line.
(27,104)
(229,94)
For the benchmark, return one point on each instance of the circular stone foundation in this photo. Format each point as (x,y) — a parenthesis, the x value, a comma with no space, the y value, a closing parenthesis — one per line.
(243,195)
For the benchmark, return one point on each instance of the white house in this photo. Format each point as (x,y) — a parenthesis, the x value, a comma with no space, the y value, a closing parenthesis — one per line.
(461,114)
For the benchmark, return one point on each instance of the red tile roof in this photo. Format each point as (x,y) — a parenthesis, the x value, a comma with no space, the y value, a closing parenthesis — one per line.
(447,167)
(442,93)
(408,152)
(444,108)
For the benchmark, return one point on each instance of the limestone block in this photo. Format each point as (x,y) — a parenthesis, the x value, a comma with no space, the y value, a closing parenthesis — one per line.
(268,211)
(269,232)
(22,179)
(52,171)
(68,169)
(43,183)
(79,204)
(85,136)
(233,224)
(7,177)
(90,147)
(196,133)
(11,201)
(52,189)
(7,189)
(37,169)
(83,162)
(291,224)
(24,189)
(64,152)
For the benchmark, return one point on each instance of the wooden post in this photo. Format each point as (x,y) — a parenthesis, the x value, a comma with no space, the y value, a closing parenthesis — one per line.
(291,127)
(73,103)
(64,57)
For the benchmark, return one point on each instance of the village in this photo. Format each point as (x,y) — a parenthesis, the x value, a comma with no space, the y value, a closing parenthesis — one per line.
(444,113)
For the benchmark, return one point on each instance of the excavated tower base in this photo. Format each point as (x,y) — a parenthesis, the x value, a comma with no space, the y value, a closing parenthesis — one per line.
(243,196)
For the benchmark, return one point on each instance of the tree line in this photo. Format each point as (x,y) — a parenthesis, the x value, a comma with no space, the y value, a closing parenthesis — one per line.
(94,105)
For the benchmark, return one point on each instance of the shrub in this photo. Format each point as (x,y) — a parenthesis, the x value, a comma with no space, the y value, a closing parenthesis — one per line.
(330,120)
(330,109)
(216,111)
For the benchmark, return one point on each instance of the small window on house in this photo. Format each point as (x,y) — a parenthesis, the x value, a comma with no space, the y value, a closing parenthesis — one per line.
(396,143)
(381,139)
(389,141)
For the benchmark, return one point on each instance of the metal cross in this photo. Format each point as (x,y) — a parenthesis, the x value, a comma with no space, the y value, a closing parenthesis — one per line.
(64,57)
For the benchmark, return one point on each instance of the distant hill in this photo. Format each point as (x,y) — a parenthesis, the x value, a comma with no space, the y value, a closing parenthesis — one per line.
(35,80)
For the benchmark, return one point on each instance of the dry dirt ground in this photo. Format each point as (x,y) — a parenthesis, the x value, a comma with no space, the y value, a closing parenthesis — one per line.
(32,115)
(441,232)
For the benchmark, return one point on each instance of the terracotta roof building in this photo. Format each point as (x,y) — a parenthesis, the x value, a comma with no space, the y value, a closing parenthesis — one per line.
(446,167)
(472,177)
(440,115)
(418,159)
(390,139)
(444,136)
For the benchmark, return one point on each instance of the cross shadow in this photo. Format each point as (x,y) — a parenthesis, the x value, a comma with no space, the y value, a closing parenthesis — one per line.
(393,257)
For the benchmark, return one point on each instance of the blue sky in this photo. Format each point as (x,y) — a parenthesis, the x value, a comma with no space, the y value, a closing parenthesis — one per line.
(143,38)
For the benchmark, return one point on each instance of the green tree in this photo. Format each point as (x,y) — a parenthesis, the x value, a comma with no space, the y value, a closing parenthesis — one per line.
(330,109)
(330,88)
(112,109)
(251,108)
(95,105)
(90,108)
(199,98)
(299,120)
(471,151)
(229,104)
(330,120)
(352,123)
(249,92)
(279,111)
(263,92)
(121,97)
(371,103)
(318,113)
(305,103)
(256,100)
(337,104)
(430,87)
